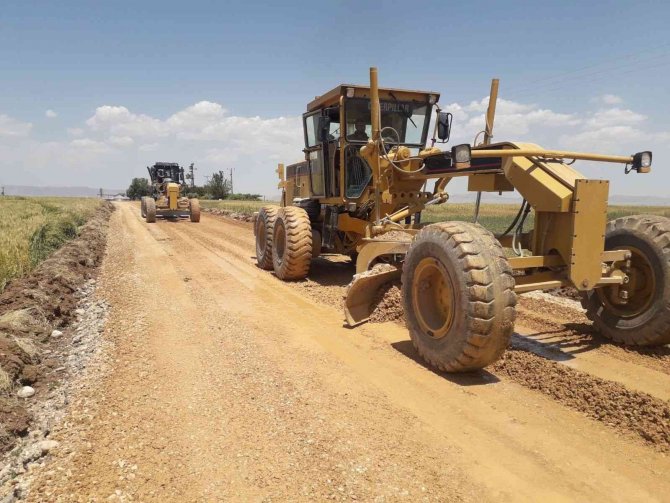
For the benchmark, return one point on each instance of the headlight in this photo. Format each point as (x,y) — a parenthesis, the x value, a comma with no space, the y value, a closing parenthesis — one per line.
(350,92)
(642,160)
(432,99)
(461,153)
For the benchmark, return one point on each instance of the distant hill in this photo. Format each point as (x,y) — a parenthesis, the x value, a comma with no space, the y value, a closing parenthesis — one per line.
(28,190)
(640,200)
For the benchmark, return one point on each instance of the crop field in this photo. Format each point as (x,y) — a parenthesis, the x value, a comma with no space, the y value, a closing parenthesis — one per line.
(33,227)
(243,207)
(495,217)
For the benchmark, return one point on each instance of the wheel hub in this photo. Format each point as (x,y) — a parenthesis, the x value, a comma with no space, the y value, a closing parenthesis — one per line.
(433,297)
(279,241)
(636,295)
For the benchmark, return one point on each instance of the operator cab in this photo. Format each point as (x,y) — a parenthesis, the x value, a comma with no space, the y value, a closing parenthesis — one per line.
(162,172)
(338,123)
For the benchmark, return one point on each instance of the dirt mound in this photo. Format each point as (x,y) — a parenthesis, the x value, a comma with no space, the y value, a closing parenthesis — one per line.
(605,401)
(387,304)
(31,308)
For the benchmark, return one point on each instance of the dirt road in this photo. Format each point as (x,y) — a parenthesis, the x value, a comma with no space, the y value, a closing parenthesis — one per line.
(221,382)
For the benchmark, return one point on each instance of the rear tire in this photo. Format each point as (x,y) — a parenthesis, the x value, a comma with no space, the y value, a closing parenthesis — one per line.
(291,243)
(194,210)
(645,319)
(263,229)
(143,206)
(458,296)
(150,210)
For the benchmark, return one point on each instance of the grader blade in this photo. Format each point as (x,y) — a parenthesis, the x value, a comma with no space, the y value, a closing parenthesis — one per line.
(362,291)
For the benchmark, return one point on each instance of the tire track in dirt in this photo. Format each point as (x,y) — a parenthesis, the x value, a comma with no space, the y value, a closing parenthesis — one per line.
(206,250)
(611,403)
(573,328)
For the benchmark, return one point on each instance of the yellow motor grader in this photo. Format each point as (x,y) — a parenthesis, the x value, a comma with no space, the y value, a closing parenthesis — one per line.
(166,201)
(363,186)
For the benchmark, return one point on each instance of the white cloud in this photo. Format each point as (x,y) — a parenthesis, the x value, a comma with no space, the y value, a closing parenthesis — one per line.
(50,114)
(610,99)
(513,120)
(614,117)
(89,145)
(149,147)
(13,128)
(75,131)
(205,133)
(121,141)
(119,121)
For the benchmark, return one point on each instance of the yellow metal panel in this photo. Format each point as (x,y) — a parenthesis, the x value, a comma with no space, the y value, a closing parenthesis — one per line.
(535,261)
(588,233)
(173,195)
(489,182)
(538,187)
(347,223)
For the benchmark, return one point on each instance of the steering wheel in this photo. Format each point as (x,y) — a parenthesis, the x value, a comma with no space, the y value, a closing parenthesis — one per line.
(387,134)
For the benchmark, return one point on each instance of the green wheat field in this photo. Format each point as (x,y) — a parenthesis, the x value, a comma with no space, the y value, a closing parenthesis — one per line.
(495,217)
(31,228)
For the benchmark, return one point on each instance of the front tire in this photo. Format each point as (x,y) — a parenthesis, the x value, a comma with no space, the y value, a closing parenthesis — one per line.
(458,296)
(291,243)
(150,209)
(644,320)
(263,229)
(194,210)
(143,206)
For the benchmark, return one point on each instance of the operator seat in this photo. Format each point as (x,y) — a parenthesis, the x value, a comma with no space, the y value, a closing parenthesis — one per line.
(357,172)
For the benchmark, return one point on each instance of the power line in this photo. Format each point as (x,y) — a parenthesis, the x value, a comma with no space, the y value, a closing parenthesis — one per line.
(552,82)
(616,59)
(595,78)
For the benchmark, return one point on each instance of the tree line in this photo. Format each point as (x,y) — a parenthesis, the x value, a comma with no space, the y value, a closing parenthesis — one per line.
(217,187)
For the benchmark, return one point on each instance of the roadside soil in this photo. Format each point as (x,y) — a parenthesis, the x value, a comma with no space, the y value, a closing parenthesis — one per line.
(31,308)
(218,381)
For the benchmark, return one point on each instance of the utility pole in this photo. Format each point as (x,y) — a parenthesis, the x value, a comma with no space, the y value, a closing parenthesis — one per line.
(191,169)
(101,194)
(231,181)
(3,190)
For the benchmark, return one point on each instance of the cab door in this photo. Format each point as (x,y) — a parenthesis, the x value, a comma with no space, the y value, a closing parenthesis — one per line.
(316,152)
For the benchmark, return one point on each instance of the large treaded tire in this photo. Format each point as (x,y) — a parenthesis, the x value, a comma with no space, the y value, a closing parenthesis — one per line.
(150,210)
(263,229)
(650,235)
(291,243)
(194,210)
(143,206)
(466,264)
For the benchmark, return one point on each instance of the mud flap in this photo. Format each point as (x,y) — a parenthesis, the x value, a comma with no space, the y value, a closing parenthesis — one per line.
(362,291)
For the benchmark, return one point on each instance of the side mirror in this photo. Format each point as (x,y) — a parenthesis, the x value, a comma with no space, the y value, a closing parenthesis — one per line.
(444,126)
(324,128)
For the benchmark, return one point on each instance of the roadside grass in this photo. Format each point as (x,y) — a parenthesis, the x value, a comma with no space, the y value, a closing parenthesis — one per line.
(495,217)
(243,207)
(31,228)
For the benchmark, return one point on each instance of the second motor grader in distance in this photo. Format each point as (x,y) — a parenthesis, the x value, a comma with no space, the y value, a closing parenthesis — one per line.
(166,199)
(363,186)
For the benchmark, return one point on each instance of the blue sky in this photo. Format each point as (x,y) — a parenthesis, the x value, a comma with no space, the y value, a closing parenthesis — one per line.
(593,65)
